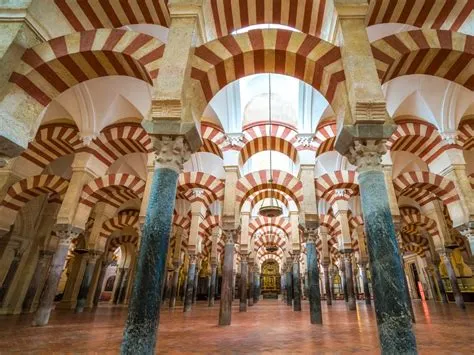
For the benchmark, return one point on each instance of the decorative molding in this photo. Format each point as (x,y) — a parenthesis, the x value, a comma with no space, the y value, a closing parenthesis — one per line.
(367,154)
(370,111)
(170,152)
(166,109)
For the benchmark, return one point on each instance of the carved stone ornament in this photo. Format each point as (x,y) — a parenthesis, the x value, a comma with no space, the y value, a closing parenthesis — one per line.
(193,258)
(235,140)
(171,152)
(367,154)
(230,236)
(311,235)
(450,137)
(295,256)
(67,236)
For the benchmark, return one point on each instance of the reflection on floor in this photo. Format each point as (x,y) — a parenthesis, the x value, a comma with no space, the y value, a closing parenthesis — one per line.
(270,327)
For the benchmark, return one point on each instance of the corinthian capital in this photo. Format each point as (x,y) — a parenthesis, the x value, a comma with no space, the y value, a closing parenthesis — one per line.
(66,234)
(367,154)
(170,152)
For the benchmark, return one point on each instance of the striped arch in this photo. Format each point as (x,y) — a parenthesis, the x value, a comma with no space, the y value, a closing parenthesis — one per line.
(341,179)
(181,221)
(85,15)
(116,242)
(420,196)
(118,140)
(270,239)
(420,13)
(261,221)
(123,219)
(261,144)
(441,187)
(262,252)
(333,226)
(444,54)
(422,221)
(50,68)
(259,180)
(312,17)
(199,180)
(340,195)
(419,138)
(52,141)
(209,146)
(113,189)
(415,249)
(27,189)
(208,224)
(270,256)
(466,134)
(270,230)
(214,135)
(305,57)
(325,138)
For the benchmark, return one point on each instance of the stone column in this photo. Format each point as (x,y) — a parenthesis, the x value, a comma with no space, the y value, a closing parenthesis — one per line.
(327,284)
(446,259)
(196,283)
(66,235)
(212,295)
(342,274)
(10,276)
(313,279)
(174,285)
(289,286)
(188,300)
(117,285)
(251,285)
(225,310)
(38,279)
(440,284)
(86,281)
(256,293)
(144,308)
(123,286)
(243,282)
(100,283)
(296,282)
(391,303)
(365,281)
(351,303)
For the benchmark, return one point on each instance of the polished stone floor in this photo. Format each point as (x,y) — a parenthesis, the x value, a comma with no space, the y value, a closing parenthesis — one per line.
(269,327)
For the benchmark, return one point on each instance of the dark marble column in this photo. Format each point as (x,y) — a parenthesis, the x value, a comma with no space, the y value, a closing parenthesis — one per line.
(66,235)
(212,296)
(439,282)
(117,285)
(100,282)
(225,310)
(289,285)
(251,285)
(10,276)
(296,282)
(188,300)
(86,281)
(144,308)
(256,293)
(365,281)
(391,303)
(196,283)
(44,260)
(446,259)
(243,283)
(123,286)
(313,279)
(342,274)
(174,285)
(327,284)
(349,281)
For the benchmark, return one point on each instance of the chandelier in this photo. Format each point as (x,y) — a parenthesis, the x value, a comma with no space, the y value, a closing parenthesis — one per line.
(271,248)
(272,209)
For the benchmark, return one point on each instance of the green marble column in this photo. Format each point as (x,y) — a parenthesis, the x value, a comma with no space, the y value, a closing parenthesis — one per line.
(243,283)
(225,310)
(144,308)
(289,286)
(190,281)
(351,303)
(174,285)
(212,296)
(313,280)
(296,282)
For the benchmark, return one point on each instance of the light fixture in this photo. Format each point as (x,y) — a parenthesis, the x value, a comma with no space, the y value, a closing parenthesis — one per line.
(271,248)
(272,209)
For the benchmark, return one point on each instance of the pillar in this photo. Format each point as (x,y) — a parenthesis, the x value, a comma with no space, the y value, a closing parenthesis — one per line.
(225,310)
(196,283)
(256,293)
(351,303)
(66,235)
(144,309)
(391,302)
(123,286)
(289,286)
(446,259)
(86,281)
(251,285)
(174,285)
(100,283)
(212,295)
(342,274)
(365,282)
(38,279)
(7,281)
(296,282)
(440,284)
(313,279)
(243,282)
(188,300)
(327,284)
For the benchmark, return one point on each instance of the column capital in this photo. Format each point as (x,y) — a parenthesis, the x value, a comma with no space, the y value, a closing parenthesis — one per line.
(295,256)
(193,258)
(311,235)
(366,154)
(66,233)
(170,152)
(244,257)
(230,235)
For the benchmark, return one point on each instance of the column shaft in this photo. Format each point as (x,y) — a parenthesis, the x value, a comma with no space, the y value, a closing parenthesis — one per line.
(445,257)
(296,285)
(212,296)
(391,303)
(85,284)
(9,277)
(349,282)
(243,284)
(225,310)
(327,285)
(174,286)
(195,286)
(38,279)
(100,283)
(313,287)
(365,281)
(188,300)
(256,293)
(289,288)
(439,282)
(144,308)
(251,286)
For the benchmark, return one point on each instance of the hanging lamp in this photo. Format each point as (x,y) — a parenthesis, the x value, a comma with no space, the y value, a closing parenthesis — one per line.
(272,209)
